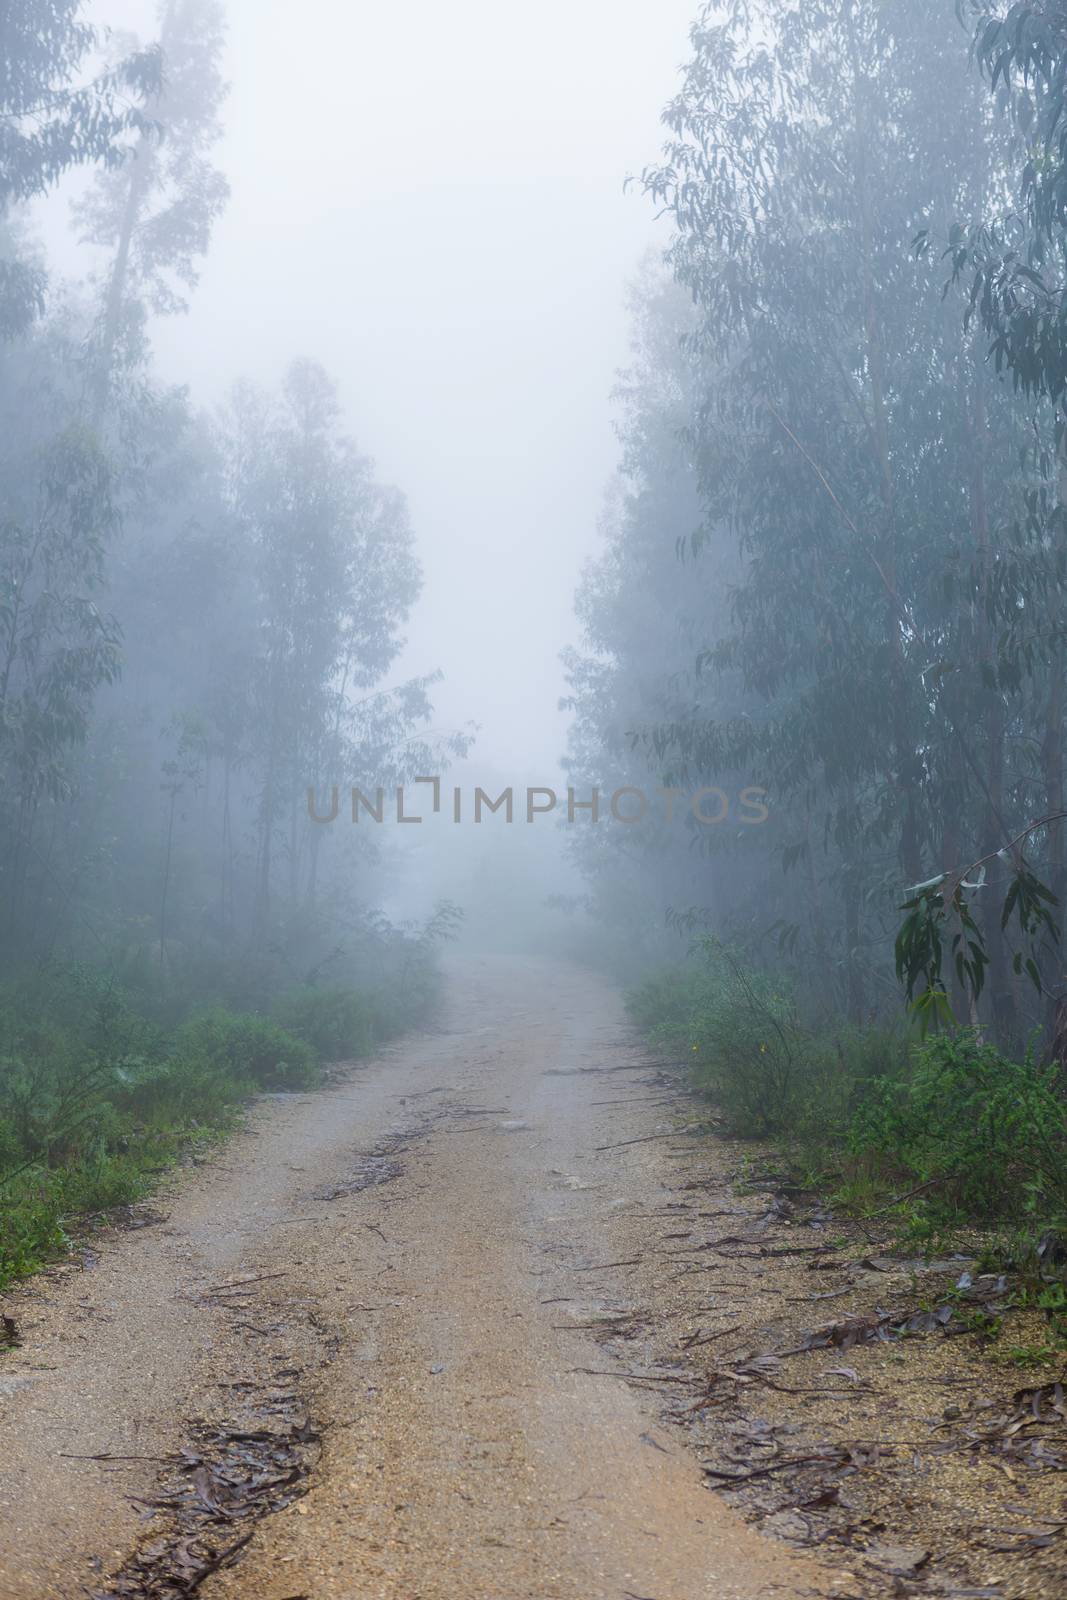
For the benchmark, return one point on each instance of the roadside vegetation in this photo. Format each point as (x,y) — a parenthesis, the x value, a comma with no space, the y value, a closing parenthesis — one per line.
(942,1130)
(842,519)
(200,617)
(105,1085)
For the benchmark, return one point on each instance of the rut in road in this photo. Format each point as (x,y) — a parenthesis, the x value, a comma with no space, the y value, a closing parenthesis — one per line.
(419,1260)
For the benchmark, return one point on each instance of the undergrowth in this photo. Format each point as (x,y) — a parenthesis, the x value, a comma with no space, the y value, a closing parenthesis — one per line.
(952,1131)
(104,1085)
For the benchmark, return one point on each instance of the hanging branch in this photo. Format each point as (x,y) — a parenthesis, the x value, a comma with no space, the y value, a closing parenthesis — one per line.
(932,905)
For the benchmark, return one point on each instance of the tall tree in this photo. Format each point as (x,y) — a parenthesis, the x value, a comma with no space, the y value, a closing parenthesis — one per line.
(55,114)
(154,214)
(886,501)
(336,575)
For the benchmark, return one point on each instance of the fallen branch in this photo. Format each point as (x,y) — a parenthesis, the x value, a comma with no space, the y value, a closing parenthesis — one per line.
(647,1139)
(243,1283)
(602,1266)
(834,1458)
(694,1341)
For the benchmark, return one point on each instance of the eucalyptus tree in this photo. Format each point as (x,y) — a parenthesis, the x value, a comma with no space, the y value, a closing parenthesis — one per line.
(57,113)
(335,575)
(848,440)
(154,212)
(60,108)
(644,616)
(198,617)
(1016,251)
(1009,254)
(58,645)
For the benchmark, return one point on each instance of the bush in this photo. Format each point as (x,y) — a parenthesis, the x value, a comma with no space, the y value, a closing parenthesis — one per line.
(31,1222)
(664,1005)
(743,1039)
(57,1079)
(982,1136)
(246,1047)
(183,1091)
(749,1052)
(338,1023)
(96,1100)
(990,1134)
(407,997)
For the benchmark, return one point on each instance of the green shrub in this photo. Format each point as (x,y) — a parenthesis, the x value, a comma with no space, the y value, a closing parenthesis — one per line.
(750,1052)
(86,1124)
(664,1005)
(246,1047)
(746,1044)
(31,1230)
(981,1136)
(338,1023)
(989,1134)
(55,1095)
(406,998)
(36,1203)
(184,1091)
(96,1100)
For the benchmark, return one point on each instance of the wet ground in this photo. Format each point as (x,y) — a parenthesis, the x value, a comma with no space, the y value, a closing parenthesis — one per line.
(501,1315)
(360,1355)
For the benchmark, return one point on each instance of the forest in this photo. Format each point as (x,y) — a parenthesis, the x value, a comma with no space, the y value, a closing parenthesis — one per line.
(834,568)
(829,577)
(199,617)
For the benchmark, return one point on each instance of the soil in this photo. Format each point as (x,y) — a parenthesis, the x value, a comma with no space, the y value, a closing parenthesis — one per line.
(496,1316)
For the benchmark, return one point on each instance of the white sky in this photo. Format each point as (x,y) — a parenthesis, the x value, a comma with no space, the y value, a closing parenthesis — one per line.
(428,198)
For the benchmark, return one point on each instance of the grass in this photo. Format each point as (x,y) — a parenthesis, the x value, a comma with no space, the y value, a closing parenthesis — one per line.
(943,1139)
(963,1134)
(99,1097)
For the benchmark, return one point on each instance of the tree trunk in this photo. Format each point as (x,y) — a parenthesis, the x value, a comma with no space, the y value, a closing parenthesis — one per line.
(904,754)
(140,172)
(994,831)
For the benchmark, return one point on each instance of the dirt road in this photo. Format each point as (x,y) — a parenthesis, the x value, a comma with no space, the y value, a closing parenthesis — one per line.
(400,1280)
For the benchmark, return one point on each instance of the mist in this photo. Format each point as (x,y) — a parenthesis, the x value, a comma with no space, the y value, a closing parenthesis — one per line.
(533,543)
(431,203)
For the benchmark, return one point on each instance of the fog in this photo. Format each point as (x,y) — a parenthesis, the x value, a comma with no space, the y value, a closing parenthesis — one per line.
(470,622)
(359,414)
(429,200)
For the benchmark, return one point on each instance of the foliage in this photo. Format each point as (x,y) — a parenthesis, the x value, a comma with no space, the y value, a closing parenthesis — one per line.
(1014,256)
(336,1023)
(645,617)
(942,906)
(990,1133)
(742,1035)
(249,1046)
(51,118)
(197,616)
(842,536)
(97,1097)
(978,1135)
(154,213)
(56,648)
